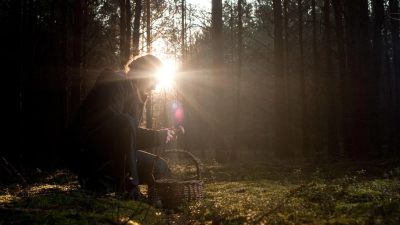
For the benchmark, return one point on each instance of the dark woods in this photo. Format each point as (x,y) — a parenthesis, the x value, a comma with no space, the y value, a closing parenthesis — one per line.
(284,78)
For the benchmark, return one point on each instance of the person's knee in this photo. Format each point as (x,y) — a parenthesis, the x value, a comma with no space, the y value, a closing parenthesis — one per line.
(161,168)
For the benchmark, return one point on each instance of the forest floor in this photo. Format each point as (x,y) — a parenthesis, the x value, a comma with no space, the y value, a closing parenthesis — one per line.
(250,191)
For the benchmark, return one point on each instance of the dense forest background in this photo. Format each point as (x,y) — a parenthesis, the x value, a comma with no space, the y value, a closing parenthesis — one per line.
(274,78)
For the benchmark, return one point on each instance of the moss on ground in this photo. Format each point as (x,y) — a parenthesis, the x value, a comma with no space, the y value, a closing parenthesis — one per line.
(246,192)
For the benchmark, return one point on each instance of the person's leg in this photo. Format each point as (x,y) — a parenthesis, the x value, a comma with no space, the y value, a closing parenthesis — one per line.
(145,162)
(114,141)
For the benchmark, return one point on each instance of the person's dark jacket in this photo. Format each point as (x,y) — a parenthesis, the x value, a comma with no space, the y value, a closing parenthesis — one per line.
(112,94)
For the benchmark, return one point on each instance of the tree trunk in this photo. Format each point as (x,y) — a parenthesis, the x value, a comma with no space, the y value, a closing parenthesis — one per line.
(390,92)
(317,101)
(332,136)
(344,81)
(183,34)
(287,77)
(280,102)
(76,58)
(218,75)
(11,56)
(128,30)
(357,83)
(122,33)
(84,86)
(185,140)
(29,93)
(395,24)
(149,102)
(238,82)
(374,103)
(148,26)
(366,92)
(304,115)
(63,67)
(136,28)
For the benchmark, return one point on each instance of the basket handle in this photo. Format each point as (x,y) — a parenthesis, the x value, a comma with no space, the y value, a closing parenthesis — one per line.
(180,151)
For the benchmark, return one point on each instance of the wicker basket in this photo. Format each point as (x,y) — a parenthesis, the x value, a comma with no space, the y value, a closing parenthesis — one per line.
(173,193)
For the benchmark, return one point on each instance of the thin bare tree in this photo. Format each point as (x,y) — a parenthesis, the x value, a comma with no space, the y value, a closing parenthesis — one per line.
(281,148)
(304,112)
(218,80)
(76,57)
(149,102)
(238,81)
(317,134)
(332,135)
(122,32)
(395,24)
(136,28)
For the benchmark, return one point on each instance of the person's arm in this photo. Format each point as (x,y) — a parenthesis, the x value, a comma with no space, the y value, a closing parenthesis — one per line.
(146,138)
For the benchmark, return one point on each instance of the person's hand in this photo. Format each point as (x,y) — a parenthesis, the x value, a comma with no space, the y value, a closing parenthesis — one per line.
(172,134)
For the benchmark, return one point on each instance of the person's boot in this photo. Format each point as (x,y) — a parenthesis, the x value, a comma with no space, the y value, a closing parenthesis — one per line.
(130,191)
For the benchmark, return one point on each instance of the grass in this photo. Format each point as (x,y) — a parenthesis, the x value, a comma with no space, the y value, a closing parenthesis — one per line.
(245,192)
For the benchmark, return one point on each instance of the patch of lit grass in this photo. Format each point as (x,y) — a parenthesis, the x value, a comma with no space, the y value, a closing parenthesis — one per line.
(44,203)
(254,192)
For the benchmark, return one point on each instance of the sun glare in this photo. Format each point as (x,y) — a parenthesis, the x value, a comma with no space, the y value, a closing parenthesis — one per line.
(166,75)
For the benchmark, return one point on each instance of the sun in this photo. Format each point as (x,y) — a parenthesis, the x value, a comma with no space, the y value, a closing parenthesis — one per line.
(166,75)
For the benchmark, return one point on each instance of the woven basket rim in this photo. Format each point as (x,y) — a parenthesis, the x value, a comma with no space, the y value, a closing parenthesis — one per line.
(192,157)
(164,181)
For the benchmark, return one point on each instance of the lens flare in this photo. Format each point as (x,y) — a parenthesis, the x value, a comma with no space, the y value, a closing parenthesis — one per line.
(166,75)
(174,105)
(179,115)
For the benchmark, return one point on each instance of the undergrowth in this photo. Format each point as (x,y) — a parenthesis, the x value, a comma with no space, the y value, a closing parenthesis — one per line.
(244,192)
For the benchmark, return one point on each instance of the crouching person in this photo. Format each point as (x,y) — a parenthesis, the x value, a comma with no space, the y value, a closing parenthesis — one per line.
(106,141)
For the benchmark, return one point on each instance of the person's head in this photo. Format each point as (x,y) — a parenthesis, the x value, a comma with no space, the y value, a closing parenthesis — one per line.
(144,71)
